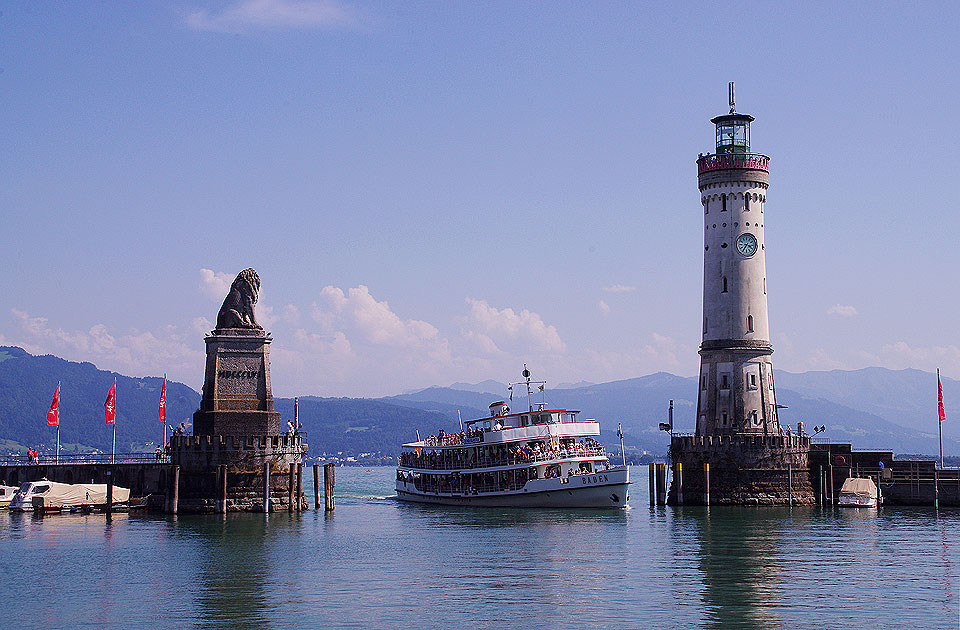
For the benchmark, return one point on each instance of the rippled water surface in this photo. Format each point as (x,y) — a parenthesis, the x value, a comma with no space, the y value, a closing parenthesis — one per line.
(379,563)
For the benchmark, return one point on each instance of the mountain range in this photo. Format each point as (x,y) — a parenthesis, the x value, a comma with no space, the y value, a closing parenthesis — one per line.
(871,408)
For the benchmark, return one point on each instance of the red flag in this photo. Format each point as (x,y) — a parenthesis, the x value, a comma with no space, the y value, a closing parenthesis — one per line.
(110,404)
(53,416)
(163,401)
(943,416)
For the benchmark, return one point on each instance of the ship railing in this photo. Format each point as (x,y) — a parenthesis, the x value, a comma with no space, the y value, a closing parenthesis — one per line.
(506,460)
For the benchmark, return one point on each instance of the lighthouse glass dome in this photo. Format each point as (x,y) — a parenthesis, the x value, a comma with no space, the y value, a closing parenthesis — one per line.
(733,133)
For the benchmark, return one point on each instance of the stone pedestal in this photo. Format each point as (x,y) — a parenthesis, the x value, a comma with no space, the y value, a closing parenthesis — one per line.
(745,469)
(237,394)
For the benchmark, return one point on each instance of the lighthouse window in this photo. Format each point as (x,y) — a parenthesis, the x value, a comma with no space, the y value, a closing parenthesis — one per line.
(746,203)
(753,381)
(704,325)
(723,199)
(724,381)
(749,321)
(724,285)
(756,420)
(724,415)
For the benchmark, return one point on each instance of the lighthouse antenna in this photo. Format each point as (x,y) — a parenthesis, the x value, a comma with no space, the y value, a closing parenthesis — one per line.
(733,100)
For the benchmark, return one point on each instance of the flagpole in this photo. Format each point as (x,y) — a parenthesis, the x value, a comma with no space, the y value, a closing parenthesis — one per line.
(164,443)
(58,422)
(620,433)
(939,418)
(113,450)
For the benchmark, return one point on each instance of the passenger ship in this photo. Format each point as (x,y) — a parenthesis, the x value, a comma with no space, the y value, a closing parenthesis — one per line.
(537,458)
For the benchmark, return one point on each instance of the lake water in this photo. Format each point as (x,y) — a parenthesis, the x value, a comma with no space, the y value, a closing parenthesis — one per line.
(379,563)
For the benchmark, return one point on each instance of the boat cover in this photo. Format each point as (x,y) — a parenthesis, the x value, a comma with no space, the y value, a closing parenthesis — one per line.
(73,494)
(861,487)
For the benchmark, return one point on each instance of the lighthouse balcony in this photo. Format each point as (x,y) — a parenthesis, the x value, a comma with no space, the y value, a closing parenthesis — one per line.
(725,161)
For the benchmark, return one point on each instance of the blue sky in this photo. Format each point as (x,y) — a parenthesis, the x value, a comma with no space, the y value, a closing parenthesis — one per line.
(438,192)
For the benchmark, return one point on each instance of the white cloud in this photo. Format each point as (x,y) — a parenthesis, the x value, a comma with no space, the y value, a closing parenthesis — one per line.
(215,284)
(360,314)
(245,15)
(136,353)
(604,307)
(509,331)
(842,310)
(619,288)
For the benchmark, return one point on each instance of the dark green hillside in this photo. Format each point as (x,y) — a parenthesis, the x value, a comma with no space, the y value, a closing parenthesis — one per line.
(27,384)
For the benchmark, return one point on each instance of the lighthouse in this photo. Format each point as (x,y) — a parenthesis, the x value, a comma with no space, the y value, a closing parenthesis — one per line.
(738,454)
(736,386)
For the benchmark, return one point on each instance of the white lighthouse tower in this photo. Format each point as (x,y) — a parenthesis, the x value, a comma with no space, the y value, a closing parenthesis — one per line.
(736,391)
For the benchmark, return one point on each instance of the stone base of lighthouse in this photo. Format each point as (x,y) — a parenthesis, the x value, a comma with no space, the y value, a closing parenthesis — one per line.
(745,469)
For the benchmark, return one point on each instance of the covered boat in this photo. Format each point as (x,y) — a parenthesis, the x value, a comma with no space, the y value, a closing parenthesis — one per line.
(858,492)
(543,457)
(51,495)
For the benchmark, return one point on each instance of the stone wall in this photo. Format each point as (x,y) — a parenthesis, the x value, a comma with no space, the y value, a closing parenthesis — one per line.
(744,470)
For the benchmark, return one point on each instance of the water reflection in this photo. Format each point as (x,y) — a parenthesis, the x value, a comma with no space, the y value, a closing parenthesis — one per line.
(740,564)
(235,586)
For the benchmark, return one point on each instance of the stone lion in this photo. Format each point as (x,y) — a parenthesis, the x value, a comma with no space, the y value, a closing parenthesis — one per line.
(237,309)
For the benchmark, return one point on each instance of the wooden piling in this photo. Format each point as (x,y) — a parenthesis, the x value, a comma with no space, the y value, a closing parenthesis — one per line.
(679,479)
(109,492)
(290,482)
(316,486)
(328,483)
(706,474)
(175,490)
(222,489)
(831,483)
(652,483)
(266,488)
(299,492)
(661,484)
(790,484)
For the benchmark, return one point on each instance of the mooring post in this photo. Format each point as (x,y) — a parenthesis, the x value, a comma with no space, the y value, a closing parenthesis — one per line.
(316,486)
(175,490)
(706,473)
(651,481)
(831,483)
(299,486)
(328,483)
(222,489)
(661,484)
(109,492)
(290,482)
(266,488)
(790,484)
(679,480)
(936,487)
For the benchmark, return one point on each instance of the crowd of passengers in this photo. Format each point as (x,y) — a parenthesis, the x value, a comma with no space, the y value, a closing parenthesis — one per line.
(452,439)
(499,481)
(499,455)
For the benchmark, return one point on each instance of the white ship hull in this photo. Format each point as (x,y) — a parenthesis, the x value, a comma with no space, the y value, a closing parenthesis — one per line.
(603,489)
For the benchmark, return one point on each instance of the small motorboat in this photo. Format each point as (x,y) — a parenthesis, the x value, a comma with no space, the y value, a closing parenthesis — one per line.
(6,494)
(859,492)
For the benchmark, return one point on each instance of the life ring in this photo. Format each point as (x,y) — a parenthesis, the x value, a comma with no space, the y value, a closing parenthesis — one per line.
(839,460)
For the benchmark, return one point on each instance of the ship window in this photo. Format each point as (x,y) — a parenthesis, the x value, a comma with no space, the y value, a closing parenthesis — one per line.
(524,421)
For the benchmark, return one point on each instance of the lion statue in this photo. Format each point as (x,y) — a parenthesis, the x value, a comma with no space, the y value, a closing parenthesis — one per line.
(237,309)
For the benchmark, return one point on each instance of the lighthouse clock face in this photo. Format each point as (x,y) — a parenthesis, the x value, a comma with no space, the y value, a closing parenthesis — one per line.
(747,244)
